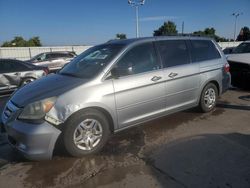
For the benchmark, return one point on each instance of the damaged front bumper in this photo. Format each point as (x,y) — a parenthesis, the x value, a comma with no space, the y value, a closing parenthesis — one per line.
(34,141)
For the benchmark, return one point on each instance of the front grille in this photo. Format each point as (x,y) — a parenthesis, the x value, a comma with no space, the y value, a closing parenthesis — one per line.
(238,67)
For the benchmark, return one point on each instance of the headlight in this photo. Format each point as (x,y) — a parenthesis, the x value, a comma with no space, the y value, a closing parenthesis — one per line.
(38,109)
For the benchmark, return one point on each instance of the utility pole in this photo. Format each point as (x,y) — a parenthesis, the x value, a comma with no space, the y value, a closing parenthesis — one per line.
(236,15)
(182,28)
(136,4)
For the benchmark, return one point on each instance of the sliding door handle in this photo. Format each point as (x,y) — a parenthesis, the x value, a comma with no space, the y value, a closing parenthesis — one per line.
(156,78)
(172,74)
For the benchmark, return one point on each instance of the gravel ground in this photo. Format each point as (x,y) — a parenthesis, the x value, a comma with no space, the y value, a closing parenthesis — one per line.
(187,149)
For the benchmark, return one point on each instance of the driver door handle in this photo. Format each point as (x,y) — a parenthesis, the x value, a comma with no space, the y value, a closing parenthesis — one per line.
(156,78)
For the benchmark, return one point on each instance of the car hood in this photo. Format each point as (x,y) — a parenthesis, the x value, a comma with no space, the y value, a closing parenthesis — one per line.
(49,86)
(241,58)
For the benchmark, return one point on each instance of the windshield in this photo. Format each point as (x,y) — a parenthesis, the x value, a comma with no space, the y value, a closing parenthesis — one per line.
(242,48)
(41,56)
(92,61)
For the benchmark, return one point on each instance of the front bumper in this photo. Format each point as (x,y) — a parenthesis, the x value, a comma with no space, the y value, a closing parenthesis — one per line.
(34,141)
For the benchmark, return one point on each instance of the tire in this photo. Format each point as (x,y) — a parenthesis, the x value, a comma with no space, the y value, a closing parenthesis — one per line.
(78,140)
(208,98)
(26,81)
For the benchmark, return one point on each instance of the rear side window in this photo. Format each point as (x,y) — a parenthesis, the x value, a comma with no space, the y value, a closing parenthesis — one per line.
(173,52)
(203,50)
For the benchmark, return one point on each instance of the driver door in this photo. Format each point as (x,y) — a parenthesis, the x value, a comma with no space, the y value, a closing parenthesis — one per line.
(139,87)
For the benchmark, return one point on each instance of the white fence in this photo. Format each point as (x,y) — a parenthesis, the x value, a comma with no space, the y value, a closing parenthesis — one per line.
(24,53)
(224,45)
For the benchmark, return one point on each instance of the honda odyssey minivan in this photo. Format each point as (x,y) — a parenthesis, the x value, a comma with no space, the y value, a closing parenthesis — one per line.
(111,87)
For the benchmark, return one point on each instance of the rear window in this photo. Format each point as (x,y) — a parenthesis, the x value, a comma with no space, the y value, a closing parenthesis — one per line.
(203,50)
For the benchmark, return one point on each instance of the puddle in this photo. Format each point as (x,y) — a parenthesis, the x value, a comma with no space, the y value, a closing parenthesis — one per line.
(245,98)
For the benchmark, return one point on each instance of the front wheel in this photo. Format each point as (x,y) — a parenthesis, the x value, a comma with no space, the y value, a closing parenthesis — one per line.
(86,133)
(26,81)
(208,98)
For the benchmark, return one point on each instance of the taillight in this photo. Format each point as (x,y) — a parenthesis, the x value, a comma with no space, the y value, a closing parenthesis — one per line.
(46,70)
(227,67)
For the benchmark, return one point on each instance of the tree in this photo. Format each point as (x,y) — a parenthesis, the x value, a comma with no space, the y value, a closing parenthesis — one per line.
(19,41)
(211,32)
(244,34)
(168,28)
(121,36)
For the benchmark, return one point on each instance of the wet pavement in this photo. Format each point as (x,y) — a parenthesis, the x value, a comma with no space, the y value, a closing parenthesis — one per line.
(187,149)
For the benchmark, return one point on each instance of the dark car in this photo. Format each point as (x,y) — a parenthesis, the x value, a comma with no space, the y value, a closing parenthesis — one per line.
(15,73)
(239,62)
(53,60)
(228,50)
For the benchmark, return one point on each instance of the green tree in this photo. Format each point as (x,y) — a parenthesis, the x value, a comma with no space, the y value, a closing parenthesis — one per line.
(244,34)
(168,28)
(121,36)
(211,32)
(19,41)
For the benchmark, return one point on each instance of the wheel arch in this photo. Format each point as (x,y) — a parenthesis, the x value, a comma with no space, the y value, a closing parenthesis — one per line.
(105,112)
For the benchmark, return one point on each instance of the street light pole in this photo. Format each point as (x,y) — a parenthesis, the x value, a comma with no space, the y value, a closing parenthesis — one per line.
(236,15)
(136,4)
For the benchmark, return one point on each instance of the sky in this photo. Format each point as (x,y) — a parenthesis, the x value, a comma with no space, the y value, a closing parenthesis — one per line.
(90,22)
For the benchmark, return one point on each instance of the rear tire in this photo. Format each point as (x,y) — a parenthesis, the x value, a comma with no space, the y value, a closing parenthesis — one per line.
(208,98)
(86,133)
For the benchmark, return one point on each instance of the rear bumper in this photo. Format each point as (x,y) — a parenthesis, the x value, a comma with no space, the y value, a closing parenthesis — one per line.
(34,141)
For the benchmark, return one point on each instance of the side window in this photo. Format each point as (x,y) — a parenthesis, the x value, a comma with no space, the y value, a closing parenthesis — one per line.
(203,50)
(4,67)
(50,56)
(173,52)
(139,59)
(42,57)
(17,67)
(9,66)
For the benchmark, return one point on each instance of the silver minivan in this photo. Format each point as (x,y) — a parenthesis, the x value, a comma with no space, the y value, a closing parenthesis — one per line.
(111,87)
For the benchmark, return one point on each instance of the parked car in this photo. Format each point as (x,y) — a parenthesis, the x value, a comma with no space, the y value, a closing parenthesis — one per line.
(111,87)
(239,62)
(53,60)
(15,73)
(228,50)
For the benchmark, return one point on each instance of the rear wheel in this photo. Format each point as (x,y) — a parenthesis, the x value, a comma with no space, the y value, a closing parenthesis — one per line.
(86,133)
(208,98)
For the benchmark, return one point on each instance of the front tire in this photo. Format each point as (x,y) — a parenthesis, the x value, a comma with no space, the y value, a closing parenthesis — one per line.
(26,81)
(208,98)
(86,133)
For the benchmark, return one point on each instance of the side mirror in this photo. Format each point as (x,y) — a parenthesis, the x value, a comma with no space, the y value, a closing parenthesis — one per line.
(118,72)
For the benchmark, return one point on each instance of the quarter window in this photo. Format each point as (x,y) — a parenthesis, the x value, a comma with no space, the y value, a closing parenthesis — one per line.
(173,52)
(139,59)
(203,50)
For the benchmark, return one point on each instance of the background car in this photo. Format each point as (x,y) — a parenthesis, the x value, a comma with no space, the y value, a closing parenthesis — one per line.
(52,60)
(15,73)
(228,50)
(239,62)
